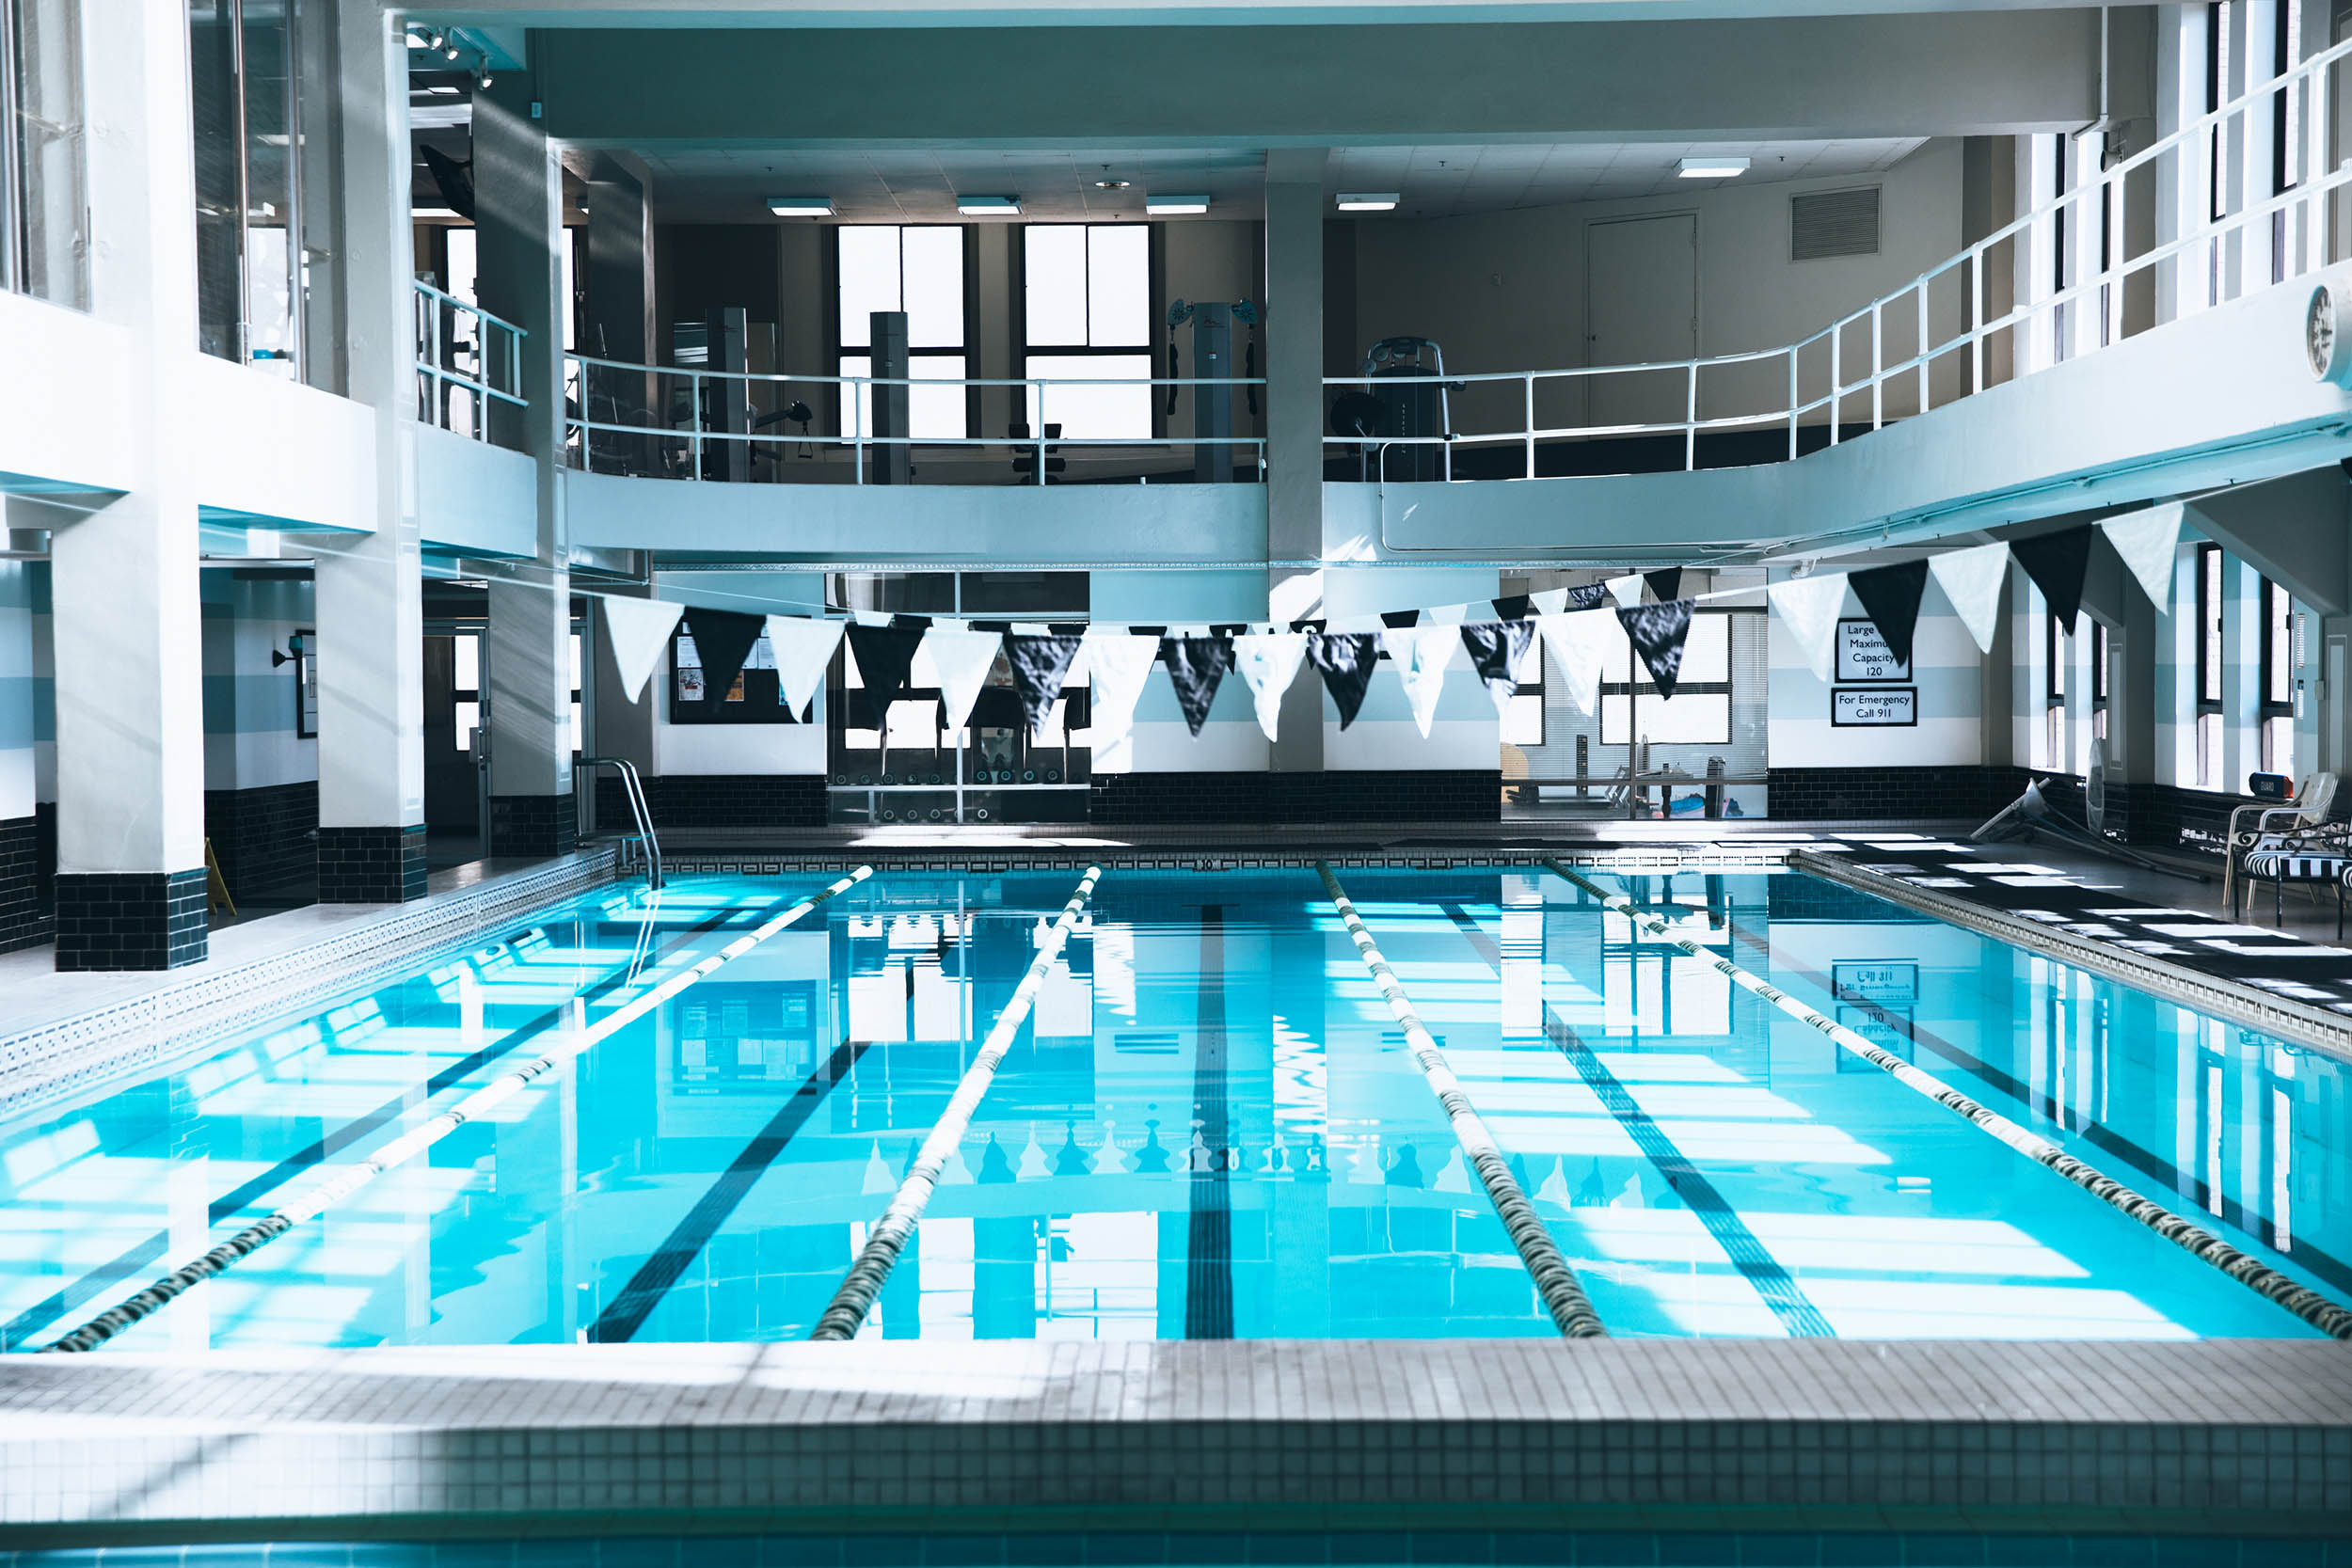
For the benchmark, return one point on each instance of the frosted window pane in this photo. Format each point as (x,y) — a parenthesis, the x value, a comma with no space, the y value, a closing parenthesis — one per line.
(1523,722)
(1118,286)
(575,661)
(935,413)
(1694,718)
(1706,653)
(468,676)
(869,277)
(1054,286)
(934,288)
(467,717)
(856,403)
(1095,413)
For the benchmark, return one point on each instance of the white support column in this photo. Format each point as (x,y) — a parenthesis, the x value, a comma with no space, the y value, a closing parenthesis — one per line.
(128,632)
(1294,426)
(529,672)
(371,621)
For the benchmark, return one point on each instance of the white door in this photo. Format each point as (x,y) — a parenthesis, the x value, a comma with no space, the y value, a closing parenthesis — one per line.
(1641,307)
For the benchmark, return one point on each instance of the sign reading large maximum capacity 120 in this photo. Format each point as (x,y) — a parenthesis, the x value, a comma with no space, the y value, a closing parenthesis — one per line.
(1863,655)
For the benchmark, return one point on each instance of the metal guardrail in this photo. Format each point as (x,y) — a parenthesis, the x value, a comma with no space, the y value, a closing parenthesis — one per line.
(466,359)
(698,413)
(2066,257)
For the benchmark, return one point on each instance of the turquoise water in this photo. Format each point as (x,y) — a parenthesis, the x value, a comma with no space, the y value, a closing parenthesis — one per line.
(1210,1128)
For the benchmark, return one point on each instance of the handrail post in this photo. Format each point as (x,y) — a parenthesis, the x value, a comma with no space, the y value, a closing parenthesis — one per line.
(1921,346)
(1979,336)
(1691,416)
(1530,385)
(694,418)
(1037,402)
(1878,365)
(1793,403)
(1836,379)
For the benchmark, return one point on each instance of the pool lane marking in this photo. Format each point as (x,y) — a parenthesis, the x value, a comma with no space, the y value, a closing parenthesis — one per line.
(1563,1293)
(2233,1210)
(888,1237)
(2330,1318)
(1748,1254)
(1209,1249)
(627,1312)
(324,1195)
(140,1253)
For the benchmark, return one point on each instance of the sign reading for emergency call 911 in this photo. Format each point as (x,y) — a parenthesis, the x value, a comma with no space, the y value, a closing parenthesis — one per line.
(1868,706)
(1863,655)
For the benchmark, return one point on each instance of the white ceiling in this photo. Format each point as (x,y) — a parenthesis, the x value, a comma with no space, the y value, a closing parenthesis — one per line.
(733,185)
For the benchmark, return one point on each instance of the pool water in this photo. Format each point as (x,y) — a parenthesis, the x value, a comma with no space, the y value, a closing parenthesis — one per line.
(1209,1127)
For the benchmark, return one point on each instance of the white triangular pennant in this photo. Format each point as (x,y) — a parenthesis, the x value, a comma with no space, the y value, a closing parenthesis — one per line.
(1971,579)
(2146,541)
(1422,653)
(1626,589)
(1552,601)
(638,630)
(1808,608)
(1448,614)
(1582,642)
(1269,662)
(959,662)
(1117,667)
(803,648)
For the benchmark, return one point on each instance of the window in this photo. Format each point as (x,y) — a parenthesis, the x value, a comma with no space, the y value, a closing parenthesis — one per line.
(1699,712)
(2278,662)
(2100,676)
(2053,692)
(2210,662)
(1524,717)
(918,269)
(40,152)
(1085,296)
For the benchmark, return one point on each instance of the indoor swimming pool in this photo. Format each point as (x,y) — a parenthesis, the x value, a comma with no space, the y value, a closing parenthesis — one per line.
(1210,1125)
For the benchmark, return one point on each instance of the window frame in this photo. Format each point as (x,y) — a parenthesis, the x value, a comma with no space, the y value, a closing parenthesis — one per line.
(836,350)
(2212,596)
(1153,347)
(2275,598)
(1632,692)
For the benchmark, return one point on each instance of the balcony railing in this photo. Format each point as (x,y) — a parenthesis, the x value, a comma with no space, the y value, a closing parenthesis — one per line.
(684,422)
(2059,282)
(468,360)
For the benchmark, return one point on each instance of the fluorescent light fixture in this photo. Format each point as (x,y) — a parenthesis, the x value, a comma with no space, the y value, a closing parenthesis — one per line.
(801,206)
(988,206)
(1368,201)
(434,212)
(1173,206)
(1711,169)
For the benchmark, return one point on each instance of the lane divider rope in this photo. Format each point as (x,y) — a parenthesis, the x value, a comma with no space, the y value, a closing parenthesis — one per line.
(326,1195)
(2323,1314)
(1564,1295)
(889,1236)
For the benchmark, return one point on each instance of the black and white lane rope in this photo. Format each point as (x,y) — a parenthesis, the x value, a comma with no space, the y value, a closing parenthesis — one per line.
(890,1234)
(2328,1317)
(1563,1293)
(326,1195)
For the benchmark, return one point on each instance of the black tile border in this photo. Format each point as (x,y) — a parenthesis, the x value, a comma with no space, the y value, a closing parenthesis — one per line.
(114,920)
(533,826)
(1449,795)
(24,919)
(262,837)
(372,865)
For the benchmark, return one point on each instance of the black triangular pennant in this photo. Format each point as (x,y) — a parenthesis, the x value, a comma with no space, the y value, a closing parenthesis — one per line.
(1347,661)
(883,655)
(1890,597)
(723,640)
(1513,607)
(1496,649)
(1400,619)
(1588,595)
(1664,583)
(1040,665)
(1194,666)
(1658,632)
(2056,563)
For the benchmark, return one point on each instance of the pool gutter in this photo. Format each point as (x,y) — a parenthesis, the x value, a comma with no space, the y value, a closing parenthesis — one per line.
(2287,1018)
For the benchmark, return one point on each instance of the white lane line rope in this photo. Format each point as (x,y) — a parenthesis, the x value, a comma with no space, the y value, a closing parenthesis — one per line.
(326,1195)
(889,1236)
(1564,1295)
(2327,1315)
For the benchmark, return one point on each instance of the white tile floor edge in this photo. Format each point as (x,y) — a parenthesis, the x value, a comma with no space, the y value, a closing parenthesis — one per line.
(490,1438)
(177,1011)
(2282,1016)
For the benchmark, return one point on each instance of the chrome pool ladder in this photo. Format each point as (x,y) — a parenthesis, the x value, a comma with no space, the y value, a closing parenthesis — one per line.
(632,787)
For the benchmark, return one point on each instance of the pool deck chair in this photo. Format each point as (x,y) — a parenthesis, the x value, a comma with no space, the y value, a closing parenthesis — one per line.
(2295,842)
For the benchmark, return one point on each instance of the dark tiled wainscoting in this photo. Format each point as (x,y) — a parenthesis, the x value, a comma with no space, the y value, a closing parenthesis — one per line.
(718,800)
(23,921)
(372,865)
(1890,794)
(131,919)
(262,837)
(1449,795)
(533,826)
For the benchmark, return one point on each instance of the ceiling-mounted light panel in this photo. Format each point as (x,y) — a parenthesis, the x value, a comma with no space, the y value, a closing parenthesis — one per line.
(1175,206)
(801,206)
(989,206)
(1711,169)
(1368,201)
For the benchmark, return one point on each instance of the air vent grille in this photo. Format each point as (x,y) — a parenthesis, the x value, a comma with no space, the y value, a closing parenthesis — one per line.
(1833,223)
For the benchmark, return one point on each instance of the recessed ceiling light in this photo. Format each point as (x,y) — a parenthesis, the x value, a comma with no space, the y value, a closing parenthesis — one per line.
(801,206)
(1111,184)
(1711,169)
(1368,201)
(1174,206)
(988,206)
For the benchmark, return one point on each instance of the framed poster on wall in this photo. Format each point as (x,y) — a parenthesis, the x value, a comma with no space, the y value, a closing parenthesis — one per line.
(306,665)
